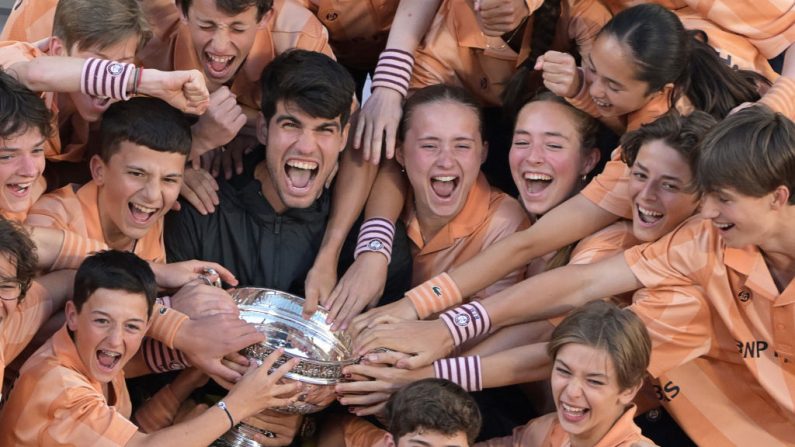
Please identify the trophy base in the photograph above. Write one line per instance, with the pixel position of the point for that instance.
(239, 437)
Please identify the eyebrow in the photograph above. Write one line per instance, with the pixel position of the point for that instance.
(138, 168)
(667, 177)
(590, 60)
(8, 148)
(433, 138)
(587, 375)
(105, 56)
(105, 314)
(323, 125)
(213, 22)
(549, 134)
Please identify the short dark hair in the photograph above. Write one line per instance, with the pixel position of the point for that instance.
(21, 109)
(435, 405)
(147, 122)
(314, 82)
(619, 332)
(21, 252)
(114, 270)
(234, 7)
(434, 93)
(681, 133)
(92, 24)
(751, 151)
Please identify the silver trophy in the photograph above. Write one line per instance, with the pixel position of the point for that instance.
(322, 353)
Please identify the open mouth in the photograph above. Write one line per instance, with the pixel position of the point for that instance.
(100, 102)
(536, 183)
(218, 66)
(572, 413)
(444, 185)
(723, 227)
(601, 103)
(648, 216)
(141, 214)
(19, 189)
(108, 360)
(301, 173)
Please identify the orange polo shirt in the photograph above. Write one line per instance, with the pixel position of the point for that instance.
(358, 29)
(68, 123)
(289, 26)
(488, 215)
(76, 210)
(54, 402)
(545, 431)
(29, 20)
(723, 337)
(604, 243)
(455, 51)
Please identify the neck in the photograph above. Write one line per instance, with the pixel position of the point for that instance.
(591, 438)
(430, 224)
(267, 188)
(111, 234)
(779, 253)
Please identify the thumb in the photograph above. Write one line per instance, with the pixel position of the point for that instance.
(415, 361)
(310, 304)
(539, 65)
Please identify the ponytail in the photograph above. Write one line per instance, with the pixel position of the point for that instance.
(710, 84)
(517, 90)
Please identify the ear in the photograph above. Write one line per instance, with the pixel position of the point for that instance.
(345, 131)
(626, 396)
(781, 197)
(389, 441)
(97, 167)
(56, 47)
(400, 157)
(71, 315)
(484, 154)
(262, 129)
(590, 161)
(665, 89)
(263, 22)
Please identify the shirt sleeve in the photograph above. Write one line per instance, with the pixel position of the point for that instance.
(586, 20)
(82, 417)
(610, 189)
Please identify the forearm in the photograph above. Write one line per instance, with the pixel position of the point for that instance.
(788, 69)
(388, 194)
(529, 363)
(354, 180)
(201, 430)
(571, 221)
(412, 19)
(59, 287)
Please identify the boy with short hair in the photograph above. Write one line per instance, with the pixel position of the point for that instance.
(136, 179)
(72, 391)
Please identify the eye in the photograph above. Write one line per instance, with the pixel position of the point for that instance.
(101, 321)
(463, 146)
(612, 87)
(562, 371)
(521, 143)
(6, 157)
(428, 146)
(554, 146)
(595, 382)
(639, 175)
(670, 187)
(38, 151)
(238, 30)
(171, 180)
(132, 327)
(135, 173)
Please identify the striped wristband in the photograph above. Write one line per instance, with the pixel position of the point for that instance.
(466, 322)
(464, 371)
(106, 78)
(394, 70)
(160, 358)
(376, 234)
(434, 295)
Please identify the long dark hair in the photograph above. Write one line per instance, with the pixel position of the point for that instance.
(664, 52)
(517, 90)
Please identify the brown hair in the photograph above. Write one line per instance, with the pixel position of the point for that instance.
(99, 24)
(434, 93)
(681, 133)
(434, 405)
(751, 151)
(604, 326)
(234, 7)
(16, 244)
(21, 109)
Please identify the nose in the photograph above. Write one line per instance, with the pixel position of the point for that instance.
(573, 389)
(305, 142)
(649, 192)
(114, 337)
(597, 89)
(221, 40)
(445, 158)
(536, 155)
(709, 207)
(28, 166)
(152, 189)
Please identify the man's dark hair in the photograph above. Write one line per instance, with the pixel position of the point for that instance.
(21, 109)
(314, 82)
(434, 405)
(147, 122)
(16, 245)
(114, 270)
(234, 7)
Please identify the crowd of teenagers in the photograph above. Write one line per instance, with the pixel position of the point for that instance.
(542, 222)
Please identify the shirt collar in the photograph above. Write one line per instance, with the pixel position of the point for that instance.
(471, 216)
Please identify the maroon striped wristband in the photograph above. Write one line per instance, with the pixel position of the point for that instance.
(463, 371)
(466, 322)
(106, 78)
(394, 70)
(160, 358)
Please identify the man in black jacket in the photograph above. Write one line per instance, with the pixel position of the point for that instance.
(270, 221)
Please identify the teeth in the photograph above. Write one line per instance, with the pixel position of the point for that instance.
(537, 176)
(20, 186)
(722, 226)
(308, 165)
(601, 103)
(144, 209)
(648, 212)
(110, 353)
(445, 178)
(569, 409)
(221, 59)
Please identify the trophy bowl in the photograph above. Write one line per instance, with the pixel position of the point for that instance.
(322, 353)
